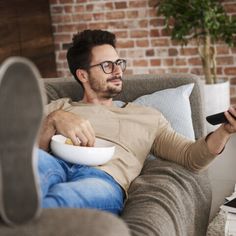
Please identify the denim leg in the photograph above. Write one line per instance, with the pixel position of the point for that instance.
(87, 187)
(50, 171)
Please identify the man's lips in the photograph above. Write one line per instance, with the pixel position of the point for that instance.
(114, 79)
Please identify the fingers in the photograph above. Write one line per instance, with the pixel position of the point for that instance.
(79, 130)
(83, 134)
(231, 117)
(86, 134)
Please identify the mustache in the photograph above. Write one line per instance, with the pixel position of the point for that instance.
(115, 78)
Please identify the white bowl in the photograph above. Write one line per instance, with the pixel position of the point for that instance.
(101, 153)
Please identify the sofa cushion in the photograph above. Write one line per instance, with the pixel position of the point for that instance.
(174, 105)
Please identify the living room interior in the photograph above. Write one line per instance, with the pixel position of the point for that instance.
(41, 30)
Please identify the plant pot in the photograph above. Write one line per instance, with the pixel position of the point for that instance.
(217, 99)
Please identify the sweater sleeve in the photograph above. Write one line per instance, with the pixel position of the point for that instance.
(61, 103)
(172, 146)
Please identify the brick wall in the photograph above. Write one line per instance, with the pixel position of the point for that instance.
(140, 36)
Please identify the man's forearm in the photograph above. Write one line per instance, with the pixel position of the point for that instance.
(217, 140)
(47, 131)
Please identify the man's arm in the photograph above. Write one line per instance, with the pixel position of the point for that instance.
(79, 130)
(193, 155)
(216, 141)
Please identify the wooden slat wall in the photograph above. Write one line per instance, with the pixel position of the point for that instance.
(25, 30)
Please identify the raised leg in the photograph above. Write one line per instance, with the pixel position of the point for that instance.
(21, 106)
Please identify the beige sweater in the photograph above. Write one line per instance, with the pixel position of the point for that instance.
(136, 130)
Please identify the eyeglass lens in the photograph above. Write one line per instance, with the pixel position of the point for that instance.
(108, 66)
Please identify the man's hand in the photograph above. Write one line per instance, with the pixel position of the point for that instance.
(72, 126)
(231, 126)
(216, 141)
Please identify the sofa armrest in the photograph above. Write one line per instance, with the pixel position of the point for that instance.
(68, 221)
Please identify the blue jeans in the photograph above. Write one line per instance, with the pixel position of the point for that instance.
(79, 186)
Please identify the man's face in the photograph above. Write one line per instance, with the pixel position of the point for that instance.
(105, 85)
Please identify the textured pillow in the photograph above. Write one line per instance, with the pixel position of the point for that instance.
(174, 105)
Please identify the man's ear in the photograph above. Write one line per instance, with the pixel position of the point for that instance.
(82, 75)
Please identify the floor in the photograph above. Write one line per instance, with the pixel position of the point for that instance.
(222, 173)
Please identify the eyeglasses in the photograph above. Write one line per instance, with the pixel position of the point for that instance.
(109, 66)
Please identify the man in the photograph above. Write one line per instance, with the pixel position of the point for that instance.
(94, 62)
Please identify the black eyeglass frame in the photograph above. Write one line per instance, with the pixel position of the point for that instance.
(118, 62)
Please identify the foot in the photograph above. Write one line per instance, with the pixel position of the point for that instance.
(21, 107)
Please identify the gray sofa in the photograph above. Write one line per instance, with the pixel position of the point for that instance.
(165, 200)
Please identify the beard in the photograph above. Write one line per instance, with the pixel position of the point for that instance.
(105, 88)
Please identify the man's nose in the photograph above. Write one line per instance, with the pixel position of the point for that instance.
(117, 70)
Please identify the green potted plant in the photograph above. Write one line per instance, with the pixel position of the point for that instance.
(205, 23)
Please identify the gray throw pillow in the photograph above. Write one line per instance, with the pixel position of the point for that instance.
(174, 104)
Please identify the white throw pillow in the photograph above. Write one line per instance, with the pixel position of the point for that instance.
(174, 104)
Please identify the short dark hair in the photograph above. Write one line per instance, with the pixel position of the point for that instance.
(80, 53)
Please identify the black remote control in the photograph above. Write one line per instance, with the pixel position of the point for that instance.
(217, 118)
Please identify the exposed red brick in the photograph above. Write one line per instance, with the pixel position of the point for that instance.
(66, 1)
(152, 3)
(61, 38)
(172, 52)
(68, 9)
(143, 23)
(81, 1)
(152, 12)
(82, 17)
(62, 55)
(188, 51)
(99, 16)
(115, 15)
(230, 8)
(229, 60)
(56, 9)
(197, 71)
(233, 50)
(219, 70)
(125, 44)
(109, 6)
(121, 34)
(142, 43)
(137, 4)
(139, 33)
(79, 8)
(157, 71)
(132, 14)
(180, 62)
(120, 5)
(165, 32)
(89, 7)
(160, 42)
(53, 2)
(98, 25)
(153, 22)
(233, 100)
(195, 61)
(168, 62)
(233, 81)
(67, 28)
(230, 70)
(149, 52)
(223, 49)
(155, 62)
(183, 70)
(154, 33)
(140, 63)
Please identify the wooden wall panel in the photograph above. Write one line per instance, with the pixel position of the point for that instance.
(9, 34)
(31, 29)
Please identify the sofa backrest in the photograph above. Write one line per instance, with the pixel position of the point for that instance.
(136, 86)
